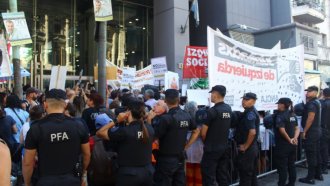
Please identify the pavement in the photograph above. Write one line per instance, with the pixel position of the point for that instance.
(271, 180)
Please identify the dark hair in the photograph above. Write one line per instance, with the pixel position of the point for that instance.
(137, 109)
(79, 103)
(171, 101)
(114, 104)
(13, 101)
(71, 109)
(183, 100)
(2, 98)
(114, 94)
(2, 112)
(36, 112)
(126, 99)
(97, 99)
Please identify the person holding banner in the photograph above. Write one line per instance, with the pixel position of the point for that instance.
(215, 134)
(247, 132)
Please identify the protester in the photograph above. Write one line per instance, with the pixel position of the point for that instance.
(79, 105)
(149, 98)
(7, 129)
(172, 132)
(14, 109)
(36, 113)
(59, 141)
(325, 124)
(286, 140)
(5, 162)
(3, 97)
(311, 122)
(94, 104)
(247, 132)
(31, 98)
(134, 168)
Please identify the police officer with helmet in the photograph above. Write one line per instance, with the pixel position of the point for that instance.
(134, 145)
(172, 132)
(59, 141)
(215, 136)
(286, 139)
(311, 122)
(247, 131)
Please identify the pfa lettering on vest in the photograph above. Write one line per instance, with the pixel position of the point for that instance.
(140, 134)
(184, 124)
(226, 115)
(292, 119)
(59, 137)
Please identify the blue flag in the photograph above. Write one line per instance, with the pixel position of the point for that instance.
(195, 9)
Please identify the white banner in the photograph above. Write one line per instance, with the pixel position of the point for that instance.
(200, 96)
(143, 77)
(16, 28)
(271, 74)
(128, 78)
(102, 10)
(171, 80)
(159, 68)
(5, 70)
(58, 77)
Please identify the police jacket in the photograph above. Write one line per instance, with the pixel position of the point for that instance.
(325, 118)
(172, 131)
(248, 120)
(288, 121)
(314, 132)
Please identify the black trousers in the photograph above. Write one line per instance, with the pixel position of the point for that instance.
(247, 166)
(285, 157)
(215, 168)
(60, 180)
(135, 176)
(169, 171)
(324, 145)
(313, 156)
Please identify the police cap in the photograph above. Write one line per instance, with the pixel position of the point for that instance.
(220, 89)
(285, 101)
(171, 93)
(312, 88)
(56, 94)
(249, 96)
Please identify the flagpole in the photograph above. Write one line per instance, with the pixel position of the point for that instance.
(183, 28)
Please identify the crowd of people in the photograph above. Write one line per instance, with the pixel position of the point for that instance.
(147, 137)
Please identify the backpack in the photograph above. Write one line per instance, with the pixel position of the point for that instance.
(103, 164)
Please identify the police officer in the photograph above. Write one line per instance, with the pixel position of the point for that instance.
(325, 124)
(286, 139)
(172, 132)
(215, 136)
(59, 141)
(247, 132)
(311, 122)
(134, 146)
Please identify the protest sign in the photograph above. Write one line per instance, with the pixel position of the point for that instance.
(271, 74)
(171, 80)
(5, 70)
(103, 10)
(16, 28)
(200, 96)
(143, 77)
(128, 78)
(58, 77)
(159, 68)
(195, 62)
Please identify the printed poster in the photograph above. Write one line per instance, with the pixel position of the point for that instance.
(195, 62)
(103, 10)
(143, 77)
(171, 80)
(5, 70)
(159, 68)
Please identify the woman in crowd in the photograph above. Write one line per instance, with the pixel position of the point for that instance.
(194, 152)
(94, 103)
(79, 104)
(7, 129)
(135, 169)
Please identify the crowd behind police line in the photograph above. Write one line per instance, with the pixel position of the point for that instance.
(156, 138)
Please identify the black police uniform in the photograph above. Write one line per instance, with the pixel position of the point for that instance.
(312, 141)
(325, 138)
(214, 165)
(285, 153)
(247, 161)
(172, 133)
(58, 140)
(134, 156)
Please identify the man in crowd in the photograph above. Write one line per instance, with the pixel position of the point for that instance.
(311, 122)
(59, 141)
(247, 132)
(171, 132)
(31, 98)
(215, 136)
(325, 124)
(149, 96)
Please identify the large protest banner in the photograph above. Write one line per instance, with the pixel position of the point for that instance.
(270, 74)
(195, 62)
(143, 77)
(103, 10)
(159, 68)
(128, 78)
(57, 77)
(16, 28)
(5, 70)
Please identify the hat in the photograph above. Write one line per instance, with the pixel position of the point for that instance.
(101, 120)
(326, 92)
(171, 93)
(250, 95)
(31, 90)
(285, 101)
(219, 88)
(312, 88)
(56, 94)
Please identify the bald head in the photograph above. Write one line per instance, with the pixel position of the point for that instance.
(160, 107)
